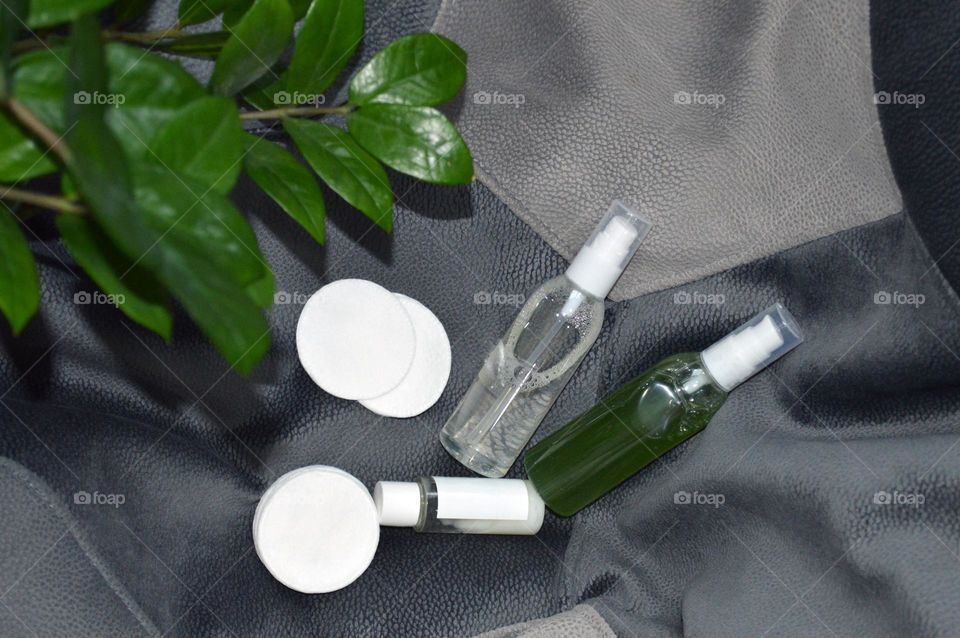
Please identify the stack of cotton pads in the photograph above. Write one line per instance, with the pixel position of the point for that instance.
(359, 341)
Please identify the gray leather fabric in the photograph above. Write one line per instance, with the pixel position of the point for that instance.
(739, 128)
(52, 581)
(580, 622)
(91, 403)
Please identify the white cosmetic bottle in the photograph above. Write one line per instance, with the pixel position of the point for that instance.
(526, 371)
(460, 505)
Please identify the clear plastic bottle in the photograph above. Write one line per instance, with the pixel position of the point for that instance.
(652, 414)
(460, 505)
(526, 371)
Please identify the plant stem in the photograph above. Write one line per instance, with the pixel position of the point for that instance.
(32, 123)
(294, 111)
(50, 202)
(148, 37)
(109, 35)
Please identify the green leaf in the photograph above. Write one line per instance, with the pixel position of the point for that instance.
(125, 11)
(330, 33)
(345, 167)
(19, 284)
(46, 13)
(20, 157)
(202, 220)
(12, 16)
(300, 8)
(151, 88)
(235, 12)
(205, 141)
(161, 223)
(197, 11)
(416, 140)
(197, 45)
(423, 69)
(288, 183)
(140, 296)
(206, 254)
(258, 41)
(69, 188)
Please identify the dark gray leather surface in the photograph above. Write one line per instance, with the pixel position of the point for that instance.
(915, 54)
(93, 404)
(740, 128)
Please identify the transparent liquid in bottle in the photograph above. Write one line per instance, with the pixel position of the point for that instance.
(522, 377)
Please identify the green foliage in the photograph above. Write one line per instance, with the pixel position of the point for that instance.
(330, 33)
(288, 183)
(256, 42)
(147, 157)
(395, 136)
(205, 141)
(19, 285)
(21, 158)
(424, 69)
(47, 13)
(346, 168)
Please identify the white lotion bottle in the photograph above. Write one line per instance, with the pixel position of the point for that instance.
(457, 505)
(526, 371)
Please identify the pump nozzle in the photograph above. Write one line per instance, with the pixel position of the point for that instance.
(610, 248)
(752, 347)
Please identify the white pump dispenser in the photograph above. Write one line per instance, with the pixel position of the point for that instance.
(752, 347)
(610, 248)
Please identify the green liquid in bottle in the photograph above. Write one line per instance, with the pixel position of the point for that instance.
(624, 433)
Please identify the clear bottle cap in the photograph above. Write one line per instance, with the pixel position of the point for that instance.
(752, 347)
(609, 249)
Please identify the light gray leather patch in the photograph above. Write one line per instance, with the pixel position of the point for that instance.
(740, 128)
(582, 621)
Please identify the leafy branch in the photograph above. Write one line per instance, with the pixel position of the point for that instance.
(146, 156)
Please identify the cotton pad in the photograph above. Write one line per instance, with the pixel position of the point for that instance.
(429, 372)
(316, 529)
(355, 339)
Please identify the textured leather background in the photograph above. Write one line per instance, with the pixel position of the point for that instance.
(580, 622)
(793, 153)
(92, 403)
(915, 54)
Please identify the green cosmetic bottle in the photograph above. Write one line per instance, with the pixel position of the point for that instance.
(652, 414)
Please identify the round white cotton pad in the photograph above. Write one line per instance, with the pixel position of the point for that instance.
(429, 372)
(355, 340)
(316, 529)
